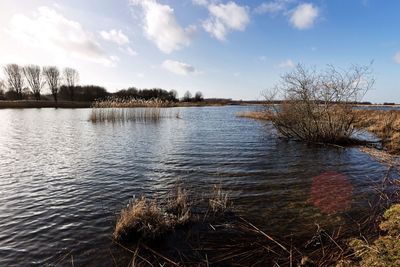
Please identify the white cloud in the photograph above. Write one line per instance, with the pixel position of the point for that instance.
(119, 38)
(201, 2)
(161, 27)
(273, 7)
(115, 36)
(128, 50)
(397, 58)
(178, 67)
(224, 18)
(53, 33)
(304, 16)
(286, 64)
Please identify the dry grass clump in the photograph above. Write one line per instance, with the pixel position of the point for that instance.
(257, 115)
(146, 218)
(179, 206)
(143, 217)
(384, 124)
(219, 201)
(385, 251)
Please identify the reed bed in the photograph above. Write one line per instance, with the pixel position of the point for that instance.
(114, 102)
(136, 110)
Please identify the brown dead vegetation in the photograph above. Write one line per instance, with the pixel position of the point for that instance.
(144, 218)
(384, 124)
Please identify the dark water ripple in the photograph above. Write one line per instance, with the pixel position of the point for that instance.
(63, 178)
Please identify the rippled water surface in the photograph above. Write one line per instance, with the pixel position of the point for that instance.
(62, 178)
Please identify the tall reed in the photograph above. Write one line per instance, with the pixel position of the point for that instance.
(124, 110)
(115, 102)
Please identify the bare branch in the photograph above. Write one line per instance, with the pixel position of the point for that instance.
(52, 77)
(14, 77)
(35, 79)
(317, 105)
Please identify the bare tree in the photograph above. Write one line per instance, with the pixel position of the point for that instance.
(52, 77)
(198, 96)
(71, 78)
(15, 79)
(187, 97)
(2, 89)
(317, 106)
(35, 79)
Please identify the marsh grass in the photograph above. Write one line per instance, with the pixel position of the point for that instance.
(135, 110)
(385, 250)
(384, 124)
(142, 217)
(114, 102)
(219, 200)
(145, 218)
(257, 115)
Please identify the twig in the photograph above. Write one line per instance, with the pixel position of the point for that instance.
(159, 255)
(115, 262)
(264, 234)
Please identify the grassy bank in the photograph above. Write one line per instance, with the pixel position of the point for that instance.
(4, 104)
(384, 124)
(43, 104)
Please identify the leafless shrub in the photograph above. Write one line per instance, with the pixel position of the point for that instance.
(317, 105)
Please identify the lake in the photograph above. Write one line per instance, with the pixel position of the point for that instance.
(63, 178)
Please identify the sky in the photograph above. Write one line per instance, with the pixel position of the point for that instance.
(231, 49)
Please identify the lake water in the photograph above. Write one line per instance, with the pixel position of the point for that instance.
(62, 178)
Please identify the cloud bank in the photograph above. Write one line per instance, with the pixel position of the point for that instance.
(161, 27)
(52, 32)
(224, 18)
(178, 67)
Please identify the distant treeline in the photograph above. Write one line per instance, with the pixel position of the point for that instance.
(28, 82)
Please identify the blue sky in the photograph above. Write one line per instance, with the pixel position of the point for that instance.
(233, 49)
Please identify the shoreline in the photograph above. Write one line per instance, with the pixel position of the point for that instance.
(26, 104)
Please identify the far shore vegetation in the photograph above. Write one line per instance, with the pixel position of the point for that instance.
(48, 86)
(33, 86)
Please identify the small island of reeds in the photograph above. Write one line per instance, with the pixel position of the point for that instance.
(132, 109)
